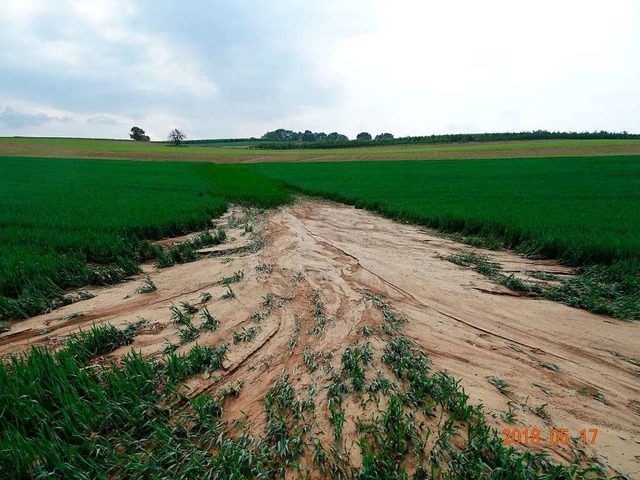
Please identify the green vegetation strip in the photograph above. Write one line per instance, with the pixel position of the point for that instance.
(69, 223)
(62, 417)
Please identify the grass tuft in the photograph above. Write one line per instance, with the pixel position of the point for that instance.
(99, 340)
(244, 335)
(188, 308)
(228, 294)
(148, 286)
(501, 385)
(178, 317)
(235, 278)
(209, 322)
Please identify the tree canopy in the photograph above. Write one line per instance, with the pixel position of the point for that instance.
(282, 135)
(308, 136)
(389, 139)
(385, 136)
(138, 135)
(176, 136)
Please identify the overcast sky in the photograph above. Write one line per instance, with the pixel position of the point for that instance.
(95, 68)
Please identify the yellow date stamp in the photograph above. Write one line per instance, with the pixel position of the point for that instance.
(557, 436)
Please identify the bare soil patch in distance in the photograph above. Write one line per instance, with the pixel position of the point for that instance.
(320, 283)
(156, 151)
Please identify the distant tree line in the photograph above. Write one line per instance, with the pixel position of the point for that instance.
(281, 139)
(282, 135)
(364, 139)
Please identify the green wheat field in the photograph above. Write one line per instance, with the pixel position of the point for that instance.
(66, 223)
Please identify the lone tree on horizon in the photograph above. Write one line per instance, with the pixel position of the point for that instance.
(138, 135)
(176, 136)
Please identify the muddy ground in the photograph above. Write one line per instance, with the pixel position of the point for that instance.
(583, 367)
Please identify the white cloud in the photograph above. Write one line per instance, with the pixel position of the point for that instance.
(26, 118)
(495, 65)
(99, 39)
(409, 67)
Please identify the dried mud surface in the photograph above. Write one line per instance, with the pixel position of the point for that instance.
(584, 367)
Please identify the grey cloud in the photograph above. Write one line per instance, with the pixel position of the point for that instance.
(218, 68)
(104, 120)
(261, 56)
(12, 119)
(262, 71)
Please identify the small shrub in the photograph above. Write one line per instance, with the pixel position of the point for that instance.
(133, 327)
(169, 347)
(206, 407)
(267, 300)
(232, 390)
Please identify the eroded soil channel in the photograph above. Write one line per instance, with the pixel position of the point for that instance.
(321, 281)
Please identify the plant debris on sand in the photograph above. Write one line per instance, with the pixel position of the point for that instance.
(344, 358)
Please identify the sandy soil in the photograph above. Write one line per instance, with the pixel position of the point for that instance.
(584, 367)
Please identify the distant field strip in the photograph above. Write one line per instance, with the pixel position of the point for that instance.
(123, 149)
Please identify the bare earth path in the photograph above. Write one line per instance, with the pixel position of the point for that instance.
(475, 335)
(582, 366)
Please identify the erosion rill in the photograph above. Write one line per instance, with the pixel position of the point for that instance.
(302, 346)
